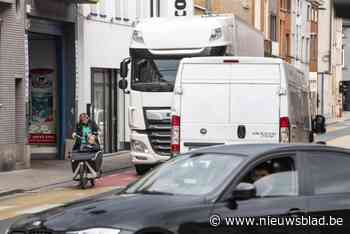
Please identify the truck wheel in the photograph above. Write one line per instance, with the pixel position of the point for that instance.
(142, 169)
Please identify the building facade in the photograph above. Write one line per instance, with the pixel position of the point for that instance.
(37, 80)
(13, 149)
(104, 33)
(330, 65)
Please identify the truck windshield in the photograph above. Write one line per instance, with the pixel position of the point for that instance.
(154, 75)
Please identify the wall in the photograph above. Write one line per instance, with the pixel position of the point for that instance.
(12, 114)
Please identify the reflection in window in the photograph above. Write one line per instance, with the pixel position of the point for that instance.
(330, 172)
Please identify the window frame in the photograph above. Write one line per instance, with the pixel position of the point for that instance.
(310, 177)
(251, 164)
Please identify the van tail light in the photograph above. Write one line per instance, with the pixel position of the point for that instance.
(175, 134)
(284, 130)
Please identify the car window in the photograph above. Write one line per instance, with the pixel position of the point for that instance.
(274, 178)
(330, 172)
(190, 175)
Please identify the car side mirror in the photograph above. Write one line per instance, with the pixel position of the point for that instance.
(319, 124)
(244, 191)
(123, 84)
(124, 70)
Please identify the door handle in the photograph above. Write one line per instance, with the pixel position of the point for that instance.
(296, 212)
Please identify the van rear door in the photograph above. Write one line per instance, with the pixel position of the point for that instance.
(255, 103)
(205, 105)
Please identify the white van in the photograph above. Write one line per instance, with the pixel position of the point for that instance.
(225, 100)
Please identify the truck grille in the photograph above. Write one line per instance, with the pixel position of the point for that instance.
(159, 134)
(158, 125)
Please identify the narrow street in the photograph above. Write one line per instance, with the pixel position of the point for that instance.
(338, 134)
(58, 195)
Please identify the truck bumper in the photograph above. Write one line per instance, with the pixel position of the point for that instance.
(148, 156)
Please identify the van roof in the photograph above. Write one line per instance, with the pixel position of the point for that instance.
(222, 59)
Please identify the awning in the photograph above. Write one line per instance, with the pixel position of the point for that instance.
(7, 1)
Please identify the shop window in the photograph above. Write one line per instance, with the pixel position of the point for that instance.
(104, 106)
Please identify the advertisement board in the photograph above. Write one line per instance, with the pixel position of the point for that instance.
(42, 121)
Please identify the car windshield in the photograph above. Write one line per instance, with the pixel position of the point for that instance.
(188, 175)
(154, 75)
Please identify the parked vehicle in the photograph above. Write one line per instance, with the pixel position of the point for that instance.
(157, 46)
(250, 180)
(226, 100)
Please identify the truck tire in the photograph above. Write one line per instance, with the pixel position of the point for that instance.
(142, 169)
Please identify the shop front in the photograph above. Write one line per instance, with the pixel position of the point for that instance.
(51, 77)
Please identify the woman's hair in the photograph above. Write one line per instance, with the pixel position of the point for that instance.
(83, 115)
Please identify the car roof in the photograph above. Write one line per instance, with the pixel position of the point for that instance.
(253, 150)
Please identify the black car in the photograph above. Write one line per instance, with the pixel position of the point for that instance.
(210, 190)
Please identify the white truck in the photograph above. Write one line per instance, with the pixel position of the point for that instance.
(232, 100)
(157, 46)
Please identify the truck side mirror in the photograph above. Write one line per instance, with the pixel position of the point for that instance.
(123, 84)
(319, 124)
(124, 70)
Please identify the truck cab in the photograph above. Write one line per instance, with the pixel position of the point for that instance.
(157, 46)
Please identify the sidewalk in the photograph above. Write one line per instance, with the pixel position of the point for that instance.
(345, 117)
(49, 172)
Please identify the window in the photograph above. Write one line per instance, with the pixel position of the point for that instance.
(93, 9)
(155, 8)
(126, 10)
(330, 172)
(104, 106)
(103, 9)
(118, 11)
(274, 178)
(273, 28)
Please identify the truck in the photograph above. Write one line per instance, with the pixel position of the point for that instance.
(235, 100)
(157, 46)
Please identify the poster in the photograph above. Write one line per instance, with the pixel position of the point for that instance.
(42, 127)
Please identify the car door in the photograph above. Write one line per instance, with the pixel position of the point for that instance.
(282, 198)
(329, 190)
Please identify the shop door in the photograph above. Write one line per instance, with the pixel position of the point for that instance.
(104, 106)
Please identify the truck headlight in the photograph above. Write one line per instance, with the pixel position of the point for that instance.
(138, 146)
(97, 231)
(216, 34)
(137, 36)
